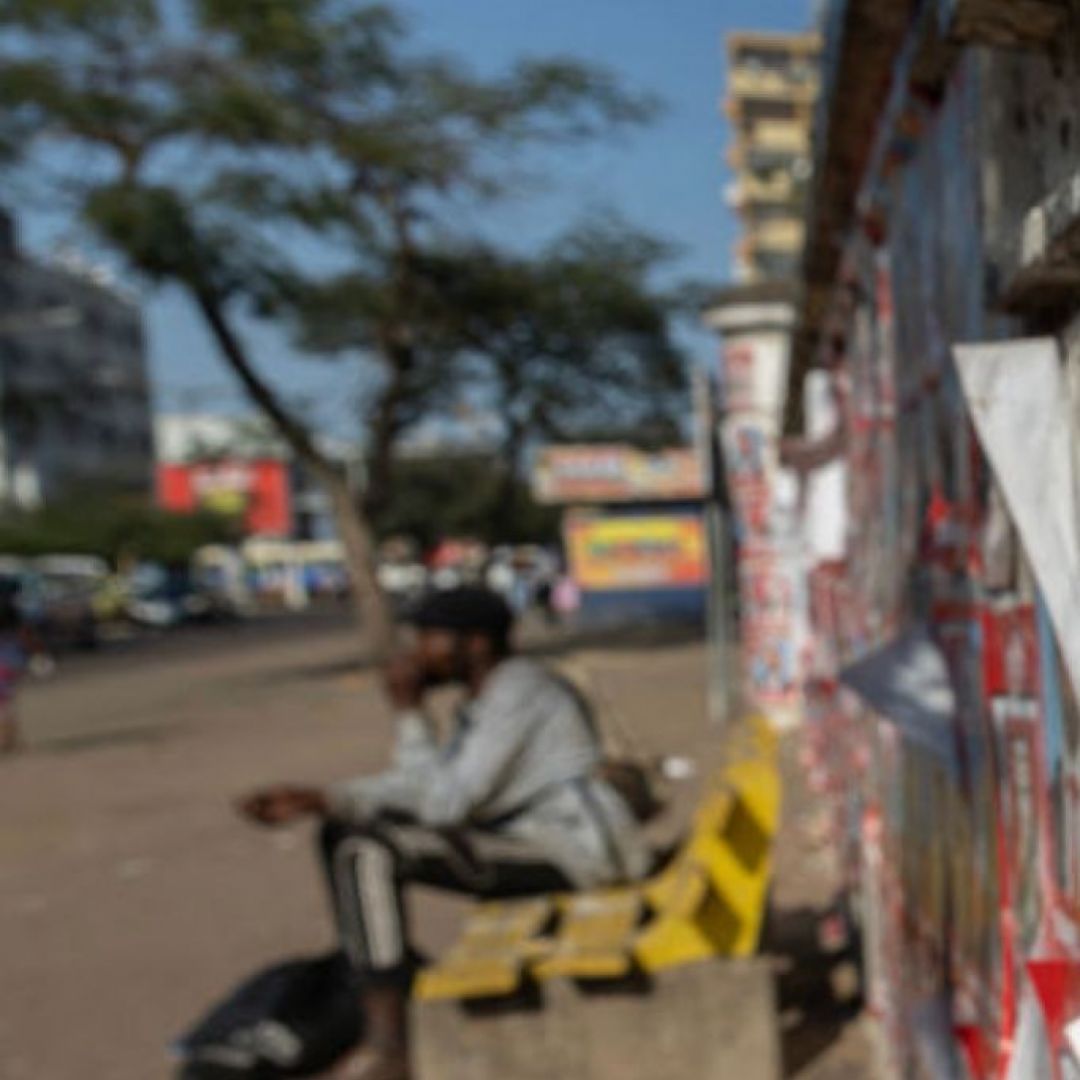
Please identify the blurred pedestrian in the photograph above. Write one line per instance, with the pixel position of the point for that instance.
(566, 598)
(17, 642)
(501, 577)
(514, 803)
(545, 601)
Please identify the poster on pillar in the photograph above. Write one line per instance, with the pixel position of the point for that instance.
(770, 592)
(753, 377)
(737, 372)
(748, 449)
(763, 499)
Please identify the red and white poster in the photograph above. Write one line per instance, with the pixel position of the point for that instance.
(749, 475)
(771, 602)
(257, 492)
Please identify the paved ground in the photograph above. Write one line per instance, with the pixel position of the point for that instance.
(130, 895)
(823, 1033)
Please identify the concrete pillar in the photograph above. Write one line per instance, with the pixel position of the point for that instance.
(755, 326)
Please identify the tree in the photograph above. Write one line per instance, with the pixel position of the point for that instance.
(462, 495)
(295, 160)
(574, 344)
(115, 527)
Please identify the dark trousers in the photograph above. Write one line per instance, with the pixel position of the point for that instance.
(368, 869)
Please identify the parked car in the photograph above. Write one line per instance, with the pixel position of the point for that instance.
(59, 606)
(161, 599)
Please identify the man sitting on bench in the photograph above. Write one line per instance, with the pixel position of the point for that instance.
(510, 805)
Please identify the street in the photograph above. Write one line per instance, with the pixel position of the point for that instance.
(145, 688)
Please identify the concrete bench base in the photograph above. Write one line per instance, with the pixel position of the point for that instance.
(709, 1021)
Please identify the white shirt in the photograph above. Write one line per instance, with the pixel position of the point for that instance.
(521, 762)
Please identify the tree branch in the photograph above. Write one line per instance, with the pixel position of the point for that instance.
(291, 429)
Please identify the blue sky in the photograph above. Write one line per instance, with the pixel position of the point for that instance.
(668, 178)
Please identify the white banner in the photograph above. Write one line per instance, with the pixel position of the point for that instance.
(1020, 404)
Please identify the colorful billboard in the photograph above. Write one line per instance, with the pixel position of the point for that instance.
(609, 554)
(259, 492)
(566, 475)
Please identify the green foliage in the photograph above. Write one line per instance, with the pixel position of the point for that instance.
(151, 225)
(86, 16)
(113, 527)
(575, 341)
(302, 160)
(459, 495)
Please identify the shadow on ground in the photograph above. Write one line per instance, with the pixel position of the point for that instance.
(819, 988)
(543, 642)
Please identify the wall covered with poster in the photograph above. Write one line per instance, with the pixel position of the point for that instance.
(960, 525)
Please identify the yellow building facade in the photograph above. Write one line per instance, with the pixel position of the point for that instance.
(773, 86)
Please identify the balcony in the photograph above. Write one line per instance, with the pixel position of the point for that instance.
(755, 82)
(784, 235)
(779, 190)
(781, 135)
(769, 145)
(743, 42)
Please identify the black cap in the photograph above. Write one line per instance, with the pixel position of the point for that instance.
(467, 610)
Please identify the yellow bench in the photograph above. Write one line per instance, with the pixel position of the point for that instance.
(708, 902)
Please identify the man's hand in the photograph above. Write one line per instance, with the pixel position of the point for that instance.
(403, 681)
(283, 805)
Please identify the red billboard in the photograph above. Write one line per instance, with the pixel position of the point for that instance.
(258, 492)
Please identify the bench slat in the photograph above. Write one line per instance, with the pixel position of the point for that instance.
(595, 936)
(491, 957)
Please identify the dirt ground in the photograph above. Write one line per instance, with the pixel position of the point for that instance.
(131, 897)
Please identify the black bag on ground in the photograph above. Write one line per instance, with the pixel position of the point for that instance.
(293, 1019)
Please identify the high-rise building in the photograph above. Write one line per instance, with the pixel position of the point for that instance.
(74, 390)
(773, 86)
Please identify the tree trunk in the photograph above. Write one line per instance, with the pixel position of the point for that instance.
(373, 608)
(380, 466)
(386, 425)
(396, 345)
(510, 501)
(376, 616)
